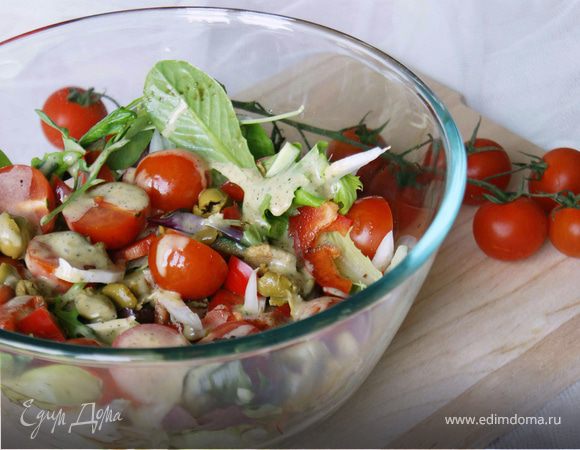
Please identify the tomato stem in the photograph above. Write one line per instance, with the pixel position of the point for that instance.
(470, 145)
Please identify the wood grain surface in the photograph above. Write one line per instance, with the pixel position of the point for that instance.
(483, 337)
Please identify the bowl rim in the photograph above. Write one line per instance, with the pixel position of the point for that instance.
(287, 334)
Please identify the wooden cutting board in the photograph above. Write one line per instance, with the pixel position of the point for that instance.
(483, 336)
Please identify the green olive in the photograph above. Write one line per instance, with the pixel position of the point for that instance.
(95, 307)
(207, 235)
(120, 294)
(25, 287)
(9, 275)
(210, 201)
(278, 287)
(14, 235)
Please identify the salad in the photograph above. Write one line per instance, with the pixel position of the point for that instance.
(177, 220)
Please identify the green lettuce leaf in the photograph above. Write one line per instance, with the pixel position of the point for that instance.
(4, 160)
(345, 191)
(192, 110)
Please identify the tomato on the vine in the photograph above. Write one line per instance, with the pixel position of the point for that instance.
(564, 230)
(338, 150)
(561, 173)
(485, 159)
(72, 108)
(172, 178)
(510, 231)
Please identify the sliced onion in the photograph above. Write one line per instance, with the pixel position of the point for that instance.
(334, 292)
(177, 308)
(384, 253)
(399, 255)
(192, 223)
(66, 272)
(352, 163)
(253, 304)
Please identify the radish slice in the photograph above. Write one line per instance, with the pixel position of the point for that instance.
(384, 253)
(159, 386)
(66, 272)
(150, 335)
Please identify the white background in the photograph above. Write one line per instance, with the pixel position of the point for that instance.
(517, 61)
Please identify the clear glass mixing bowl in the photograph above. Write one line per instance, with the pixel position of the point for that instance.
(256, 390)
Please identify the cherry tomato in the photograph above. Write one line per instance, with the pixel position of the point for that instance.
(61, 189)
(24, 191)
(136, 250)
(491, 160)
(562, 174)
(172, 178)
(305, 226)
(238, 276)
(338, 150)
(372, 220)
(235, 192)
(564, 230)
(510, 231)
(104, 174)
(111, 213)
(76, 118)
(84, 341)
(186, 266)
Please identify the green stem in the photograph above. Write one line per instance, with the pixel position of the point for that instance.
(509, 172)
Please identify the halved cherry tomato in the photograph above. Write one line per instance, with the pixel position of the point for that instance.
(564, 230)
(338, 150)
(510, 231)
(76, 118)
(184, 265)
(136, 250)
(372, 220)
(111, 213)
(561, 174)
(238, 275)
(232, 212)
(24, 191)
(491, 160)
(305, 226)
(231, 330)
(6, 293)
(41, 324)
(324, 269)
(172, 178)
(235, 192)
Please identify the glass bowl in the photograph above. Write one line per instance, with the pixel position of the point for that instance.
(260, 389)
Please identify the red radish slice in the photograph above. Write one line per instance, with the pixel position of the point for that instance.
(151, 385)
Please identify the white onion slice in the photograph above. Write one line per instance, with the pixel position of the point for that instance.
(352, 163)
(384, 253)
(177, 308)
(253, 304)
(399, 255)
(66, 272)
